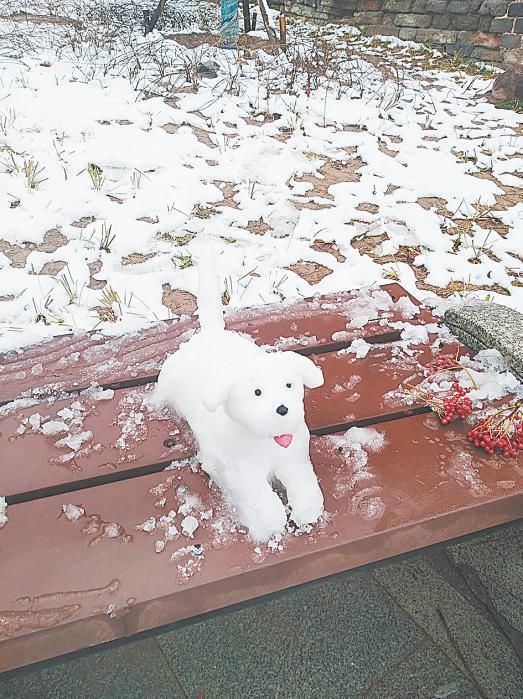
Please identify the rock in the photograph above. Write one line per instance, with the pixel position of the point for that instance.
(484, 325)
(509, 85)
(208, 69)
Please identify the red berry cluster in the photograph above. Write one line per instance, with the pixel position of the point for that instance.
(455, 402)
(442, 363)
(501, 432)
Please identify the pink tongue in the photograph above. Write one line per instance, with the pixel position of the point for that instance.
(283, 440)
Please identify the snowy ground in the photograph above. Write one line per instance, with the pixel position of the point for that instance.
(349, 161)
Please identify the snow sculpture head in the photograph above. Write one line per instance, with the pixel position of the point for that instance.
(264, 395)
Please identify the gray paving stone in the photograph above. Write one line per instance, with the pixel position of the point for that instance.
(331, 640)
(134, 671)
(497, 558)
(451, 619)
(425, 673)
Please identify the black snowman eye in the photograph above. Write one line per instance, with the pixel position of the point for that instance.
(289, 385)
(257, 392)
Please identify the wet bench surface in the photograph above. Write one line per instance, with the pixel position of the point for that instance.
(98, 483)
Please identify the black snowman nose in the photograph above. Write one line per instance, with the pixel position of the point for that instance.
(282, 410)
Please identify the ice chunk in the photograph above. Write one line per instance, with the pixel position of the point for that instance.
(75, 441)
(359, 347)
(189, 525)
(3, 512)
(147, 526)
(406, 308)
(35, 420)
(73, 512)
(54, 427)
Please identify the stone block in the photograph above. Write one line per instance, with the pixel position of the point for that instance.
(487, 55)
(464, 37)
(384, 29)
(484, 22)
(465, 21)
(397, 5)
(515, 9)
(494, 8)
(420, 21)
(368, 18)
(419, 6)
(440, 37)
(518, 26)
(462, 7)
(463, 49)
(441, 21)
(388, 18)
(509, 85)
(408, 33)
(486, 40)
(437, 6)
(510, 41)
(371, 5)
(513, 57)
(501, 25)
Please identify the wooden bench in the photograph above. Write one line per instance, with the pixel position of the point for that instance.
(89, 553)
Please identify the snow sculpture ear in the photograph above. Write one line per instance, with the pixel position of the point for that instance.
(215, 392)
(310, 374)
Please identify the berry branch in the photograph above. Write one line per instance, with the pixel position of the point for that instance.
(446, 363)
(446, 404)
(501, 431)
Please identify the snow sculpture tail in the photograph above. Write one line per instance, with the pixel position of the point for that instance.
(210, 310)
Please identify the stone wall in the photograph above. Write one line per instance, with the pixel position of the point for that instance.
(487, 30)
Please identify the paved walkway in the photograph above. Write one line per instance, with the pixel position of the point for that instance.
(446, 625)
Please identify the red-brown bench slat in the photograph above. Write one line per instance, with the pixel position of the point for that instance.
(73, 362)
(125, 436)
(66, 587)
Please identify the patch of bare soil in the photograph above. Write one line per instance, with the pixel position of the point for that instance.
(313, 205)
(83, 222)
(312, 272)
(391, 188)
(437, 203)
(228, 190)
(18, 254)
(368, 207)
(94, 268)
(511, 195)
(149, 219)
(201, 134)
(52, 269)
(258, 227)
(137, 258)
(334, 172)
(41, 19)
(367, 245)
(382, 146)
(179, 302)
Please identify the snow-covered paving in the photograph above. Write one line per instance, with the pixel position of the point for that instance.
(346, 162)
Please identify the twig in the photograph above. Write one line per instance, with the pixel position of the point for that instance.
(264, 11)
